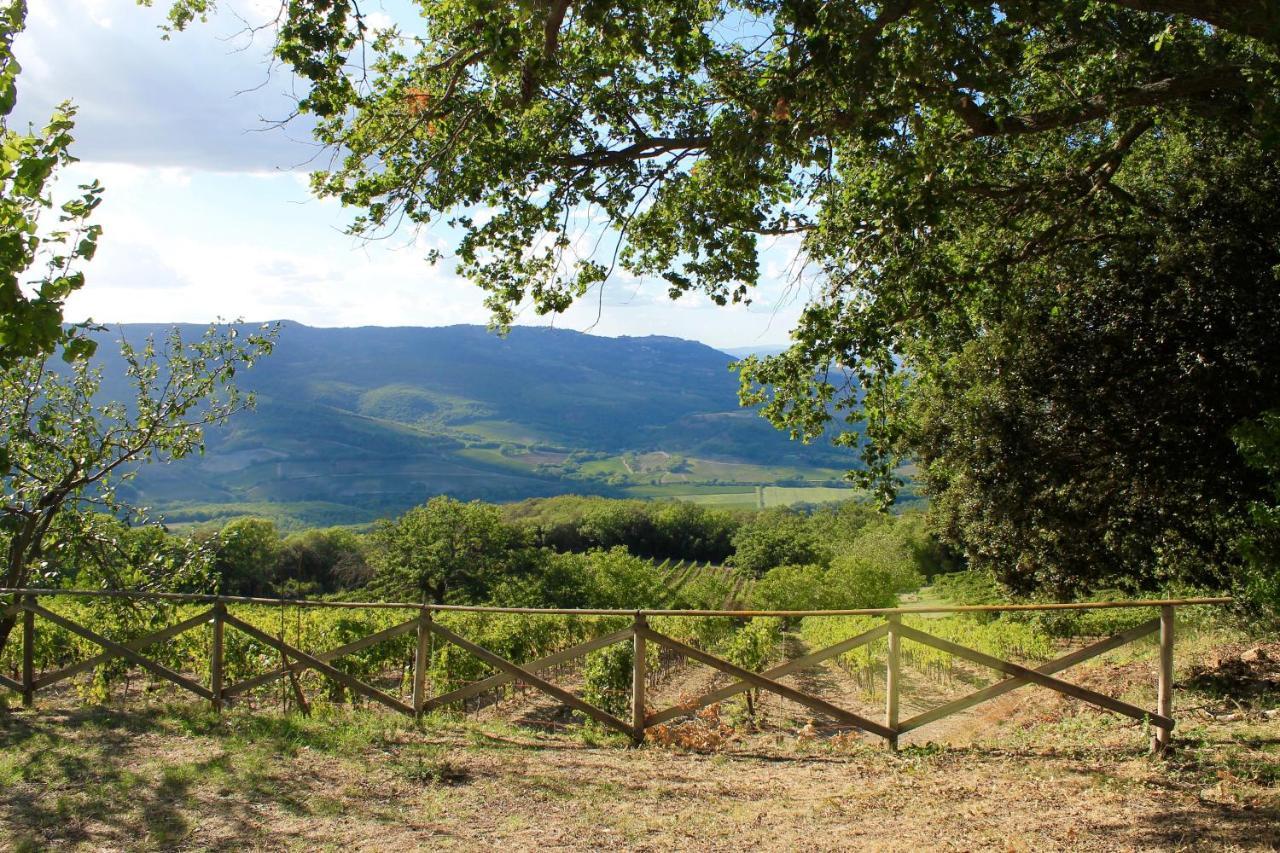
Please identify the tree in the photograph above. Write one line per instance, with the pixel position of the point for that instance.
(777, 537)
(953, 172)
(247, 550)
(790, 587)
(443, 551)
(548, 579)
(68, 450)
(844, 521)
(1086, 438)
(850, 582)
(622, 580)
(856, 580)
(686, 530)
(627, 523)
(327, 560)
(38, 264)
(1259, 582)
(901, 545)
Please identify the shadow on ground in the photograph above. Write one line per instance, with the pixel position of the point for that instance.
(100, 776)
(183, 778)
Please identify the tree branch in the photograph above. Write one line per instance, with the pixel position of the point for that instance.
(645, 149)
(1258, 19)
(982, 124)
(551, 43)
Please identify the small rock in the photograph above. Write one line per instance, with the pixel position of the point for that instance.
(1254, 655)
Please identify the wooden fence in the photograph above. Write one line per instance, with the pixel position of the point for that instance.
(295, 660)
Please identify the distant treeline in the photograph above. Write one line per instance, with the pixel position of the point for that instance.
(562, 551)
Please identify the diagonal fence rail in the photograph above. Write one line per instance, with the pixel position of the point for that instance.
(294, 660)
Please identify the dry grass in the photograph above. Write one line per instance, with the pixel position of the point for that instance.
(1035, 774)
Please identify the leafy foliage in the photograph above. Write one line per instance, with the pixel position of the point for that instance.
(247, 552)
(39, 265)
(850, 583)
(1259, 583)
(776, 537)
(65, 446)
(1085, 438)
(445, 550)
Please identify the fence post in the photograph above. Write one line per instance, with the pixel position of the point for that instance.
(891, 680)
(1164, 687)
(28, 651)
(421, 660)
(215, 655)
(638, 677)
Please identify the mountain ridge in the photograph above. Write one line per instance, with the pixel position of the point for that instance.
(376, 419)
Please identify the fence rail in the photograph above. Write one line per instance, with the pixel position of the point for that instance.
(295, 660)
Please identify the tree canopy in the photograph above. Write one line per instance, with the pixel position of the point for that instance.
(68, 450)
(955, 175)
(921, 151)
(443, 551)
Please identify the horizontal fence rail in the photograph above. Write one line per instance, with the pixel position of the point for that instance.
(294, 660)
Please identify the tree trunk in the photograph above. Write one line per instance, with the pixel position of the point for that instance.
(6, 627)
(25, 548)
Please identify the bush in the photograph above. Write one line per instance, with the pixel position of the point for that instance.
(795, 587)
(777, 537)
(854, 581)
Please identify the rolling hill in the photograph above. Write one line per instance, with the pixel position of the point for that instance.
(357, 423)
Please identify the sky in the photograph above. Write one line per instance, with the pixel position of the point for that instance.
(207, 215)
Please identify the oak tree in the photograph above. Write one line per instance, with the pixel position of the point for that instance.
(953, 173)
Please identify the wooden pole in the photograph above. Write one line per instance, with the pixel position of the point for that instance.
(891, 681)
(638, 677)
(29, 653)
(421, 661)
(215, 655)
(1164, 687)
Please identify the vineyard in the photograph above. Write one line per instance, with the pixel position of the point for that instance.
(474, 665)
(690, 586)
(768, 713)
(602, 676)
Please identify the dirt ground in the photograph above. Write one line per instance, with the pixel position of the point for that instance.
(1032, 773)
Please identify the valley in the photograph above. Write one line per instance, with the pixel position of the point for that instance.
(351, 425)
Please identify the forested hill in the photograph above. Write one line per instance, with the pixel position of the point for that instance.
(354, 423)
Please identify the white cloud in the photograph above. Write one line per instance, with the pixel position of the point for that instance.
(147, 101)
(203, 217)
(378, 21)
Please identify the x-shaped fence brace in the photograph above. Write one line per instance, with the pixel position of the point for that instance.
(295, 660)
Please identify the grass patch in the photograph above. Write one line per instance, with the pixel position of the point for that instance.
(179, 776)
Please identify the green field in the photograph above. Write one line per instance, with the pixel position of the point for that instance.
(768, 496)
(788, 495)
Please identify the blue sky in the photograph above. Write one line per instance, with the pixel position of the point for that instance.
(207, 213)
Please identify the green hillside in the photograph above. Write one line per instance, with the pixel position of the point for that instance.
(355, 424)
